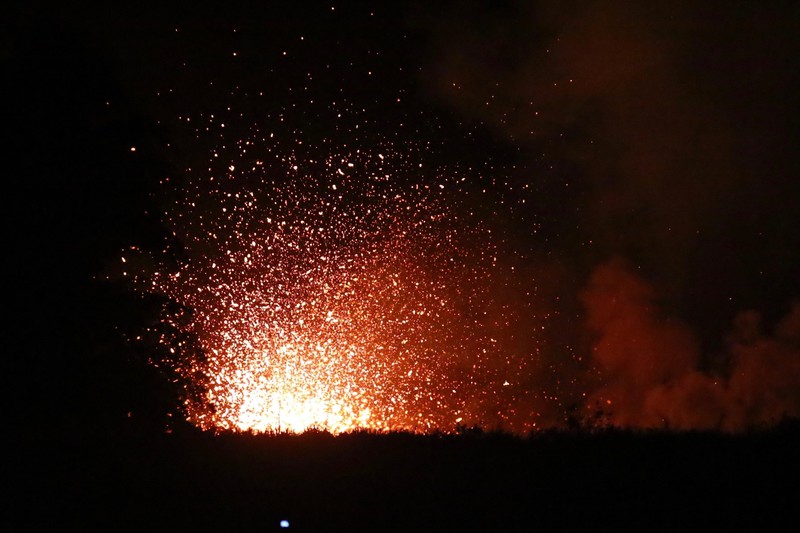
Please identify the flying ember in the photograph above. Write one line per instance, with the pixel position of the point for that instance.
(338, 292)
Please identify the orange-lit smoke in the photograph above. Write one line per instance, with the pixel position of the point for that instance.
(678, 138)
(651, 362)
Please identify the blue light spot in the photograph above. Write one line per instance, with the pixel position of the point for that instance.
(284, 523)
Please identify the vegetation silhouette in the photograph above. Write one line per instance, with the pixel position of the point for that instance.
(477, 480)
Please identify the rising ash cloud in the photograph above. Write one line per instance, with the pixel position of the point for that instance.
(664, 136)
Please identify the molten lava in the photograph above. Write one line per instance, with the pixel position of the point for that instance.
(337, 296)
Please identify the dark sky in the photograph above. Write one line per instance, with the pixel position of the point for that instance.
(660, 141)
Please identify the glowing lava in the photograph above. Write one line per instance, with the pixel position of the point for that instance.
(336, 294)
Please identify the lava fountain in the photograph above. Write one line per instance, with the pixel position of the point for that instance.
(339, 293)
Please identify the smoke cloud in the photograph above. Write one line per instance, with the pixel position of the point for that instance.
(673, 121)
(674, 124)
(651, 362)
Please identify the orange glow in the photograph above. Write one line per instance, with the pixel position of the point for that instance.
(336, 298)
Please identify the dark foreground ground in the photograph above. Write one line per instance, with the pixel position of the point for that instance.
(134, 480)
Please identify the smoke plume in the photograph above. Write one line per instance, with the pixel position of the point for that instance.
(674, 124)
(652, 365)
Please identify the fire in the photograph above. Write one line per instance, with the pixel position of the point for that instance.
(336, 293)
(290, 395)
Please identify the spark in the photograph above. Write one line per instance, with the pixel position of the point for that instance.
(311, 297)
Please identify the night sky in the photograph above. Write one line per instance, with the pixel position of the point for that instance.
(635, 166)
